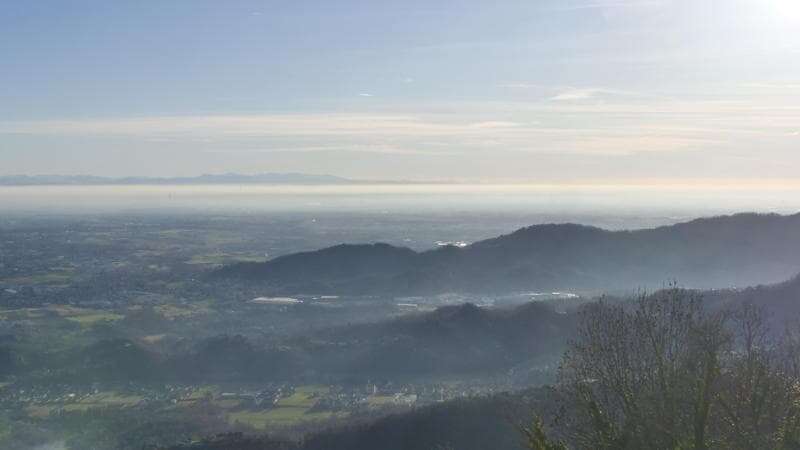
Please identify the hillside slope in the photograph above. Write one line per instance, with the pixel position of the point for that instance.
(738, 250)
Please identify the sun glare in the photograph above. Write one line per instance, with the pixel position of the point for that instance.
(787, 9)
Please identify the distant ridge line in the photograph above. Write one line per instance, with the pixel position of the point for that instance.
(715, 252)
(227, 178)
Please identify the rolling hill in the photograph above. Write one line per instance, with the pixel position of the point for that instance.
(725, 251)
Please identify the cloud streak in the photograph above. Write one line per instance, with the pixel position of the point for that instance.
(621, 124)
(576, 94)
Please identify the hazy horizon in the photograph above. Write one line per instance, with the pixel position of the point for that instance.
(620, 206)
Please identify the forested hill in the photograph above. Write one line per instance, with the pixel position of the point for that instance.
(453, 341)
(737, 250)
(781, 300)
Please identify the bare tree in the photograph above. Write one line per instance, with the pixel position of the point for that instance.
(536, 437)
(643, 375)
(663, 372)
(755, 394)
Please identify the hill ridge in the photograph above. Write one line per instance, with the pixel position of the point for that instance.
(714, 252)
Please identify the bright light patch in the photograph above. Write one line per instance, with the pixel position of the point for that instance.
(787, 9)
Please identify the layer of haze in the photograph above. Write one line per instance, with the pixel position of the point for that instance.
(610, 206)
(536, 91)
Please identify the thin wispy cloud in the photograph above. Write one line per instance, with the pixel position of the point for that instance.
(522, 86)
(496, 124)
(575, 94)
(622, 126)
(773, 86)
(355, 148)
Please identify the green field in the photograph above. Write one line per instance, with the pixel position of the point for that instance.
(82, 316)
(59, 276)
(6, 427)
(279, 417)
(380, 400)
(173, 312)
(22, 313)
(103, 400)
(202, 392)
(39, 411)
(88, 320)
(303, 397)
(108, 399)
(289, 411)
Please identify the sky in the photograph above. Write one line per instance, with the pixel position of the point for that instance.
(535, 91)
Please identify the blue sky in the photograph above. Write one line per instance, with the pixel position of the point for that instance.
(550, 91)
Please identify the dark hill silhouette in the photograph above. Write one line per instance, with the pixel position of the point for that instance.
(333, 263)
(461, 339)
(458, 340)
(781, 300)
(737, 250)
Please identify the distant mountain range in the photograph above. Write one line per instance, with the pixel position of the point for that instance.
(727, 251)
(229, 178)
